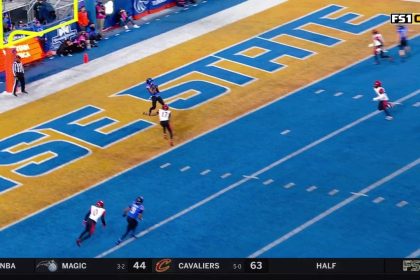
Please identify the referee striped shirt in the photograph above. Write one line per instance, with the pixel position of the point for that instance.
(17, 68)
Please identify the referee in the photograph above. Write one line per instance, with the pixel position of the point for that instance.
(19, 74)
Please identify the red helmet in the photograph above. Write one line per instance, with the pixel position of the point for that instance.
(377, 84)
(165, 107)
(100, 203)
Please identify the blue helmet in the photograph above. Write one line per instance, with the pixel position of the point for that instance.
(149, 81)
(139, 200)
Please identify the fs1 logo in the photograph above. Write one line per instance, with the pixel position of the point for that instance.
(405, 18)
(411, 265)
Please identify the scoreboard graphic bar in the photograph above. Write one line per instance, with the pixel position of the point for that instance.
(209, 266)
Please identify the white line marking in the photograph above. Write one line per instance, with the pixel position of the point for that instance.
(333, 192)
(417, 104)
(225, 175)
(417, 1)
(285, 132)
(311, 188)
(401, 203)
(268, 182)
(357, 96)
(288, 186)
(379, 199)
(361, 194)
(414, 254)
(339, 93)
(333, 209)
(319, 91)
(185, 168)
(250, 177)
(165, 165)
(205, 172)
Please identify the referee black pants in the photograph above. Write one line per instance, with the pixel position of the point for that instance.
(20, 77)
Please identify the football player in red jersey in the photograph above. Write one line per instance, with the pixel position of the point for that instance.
(96, 211)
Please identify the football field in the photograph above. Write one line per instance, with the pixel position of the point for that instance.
(279, 149)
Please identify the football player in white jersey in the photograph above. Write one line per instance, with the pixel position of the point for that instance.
(96, 211)
(382, 97)
(164, 117)
(378, 47)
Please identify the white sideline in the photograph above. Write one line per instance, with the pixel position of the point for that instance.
(255, 174)
(130, 54)
(333, 209)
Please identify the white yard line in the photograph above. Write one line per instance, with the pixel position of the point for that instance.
(333, 209)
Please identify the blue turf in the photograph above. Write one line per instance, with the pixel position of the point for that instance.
(47, 67)
(252, 215)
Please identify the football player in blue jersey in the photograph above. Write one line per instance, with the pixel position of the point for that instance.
(134, 214)
(153, 89)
